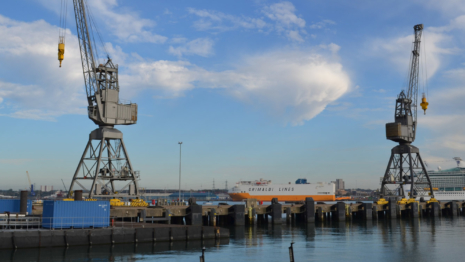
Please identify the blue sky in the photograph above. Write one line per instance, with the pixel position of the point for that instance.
(254, 89)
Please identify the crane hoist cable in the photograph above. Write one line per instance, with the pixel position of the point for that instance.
(62, 30)
(424, 104)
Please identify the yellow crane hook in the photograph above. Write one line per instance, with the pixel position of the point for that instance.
(424, 104)
(61, 50)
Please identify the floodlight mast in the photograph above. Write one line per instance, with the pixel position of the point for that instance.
(110, 161)
(406, 168)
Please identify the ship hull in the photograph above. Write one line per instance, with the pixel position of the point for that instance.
(242, 196)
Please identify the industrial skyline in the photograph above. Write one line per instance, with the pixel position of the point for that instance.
(278, 90)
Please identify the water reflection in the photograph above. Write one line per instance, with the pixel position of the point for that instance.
(377, 240)
(131, 252)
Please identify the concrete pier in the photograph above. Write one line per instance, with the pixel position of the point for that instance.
(237, 214)
(131, 233)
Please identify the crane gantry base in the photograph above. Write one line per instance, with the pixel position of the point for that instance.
(406, 172)
(104, 165)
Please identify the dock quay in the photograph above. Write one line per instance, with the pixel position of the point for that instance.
(118, 233)
(307, 211)
(171, 223)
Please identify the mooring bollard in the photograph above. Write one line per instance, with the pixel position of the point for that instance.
(392, 208)
(77, 195)
(202, 257)
(340, 213)
(434, 209)
(237, 213)
(291, 253)
(413, 209)
(288, 215)
(309, 210)
(194, 214)
(452, 208)
(367, 211)
(23, 202)
(276, 212)
(212, 217)
(320, 215)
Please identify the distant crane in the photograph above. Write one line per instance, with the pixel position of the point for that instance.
(64, 184)
(31, 186)
(105, 160)
(406, 168)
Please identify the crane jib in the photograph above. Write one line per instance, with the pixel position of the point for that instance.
(101, 80)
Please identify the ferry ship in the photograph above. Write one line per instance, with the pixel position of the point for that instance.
(264, 190)
(448, 184)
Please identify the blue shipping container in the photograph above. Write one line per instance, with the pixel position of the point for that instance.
(77, 214)
(12, 206)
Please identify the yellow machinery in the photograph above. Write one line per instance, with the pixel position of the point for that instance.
(424, 104)
(116, 203)
(61, 49)
(382, 201)
(138, 203)
(68, 199)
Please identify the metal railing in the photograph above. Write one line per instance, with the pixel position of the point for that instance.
(23, 222)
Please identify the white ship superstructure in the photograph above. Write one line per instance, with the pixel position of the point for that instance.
(264, 190)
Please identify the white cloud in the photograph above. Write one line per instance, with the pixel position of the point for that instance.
(126, 25)
(284, 14)
(286, 20)
(397, 50)
(293, 85)
(44, 90)
(322, 24)
(283, 17)
(200, 46)
(214, 20)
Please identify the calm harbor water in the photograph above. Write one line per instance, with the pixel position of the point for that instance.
(385, 240)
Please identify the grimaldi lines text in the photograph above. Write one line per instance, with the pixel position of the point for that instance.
(264, 190)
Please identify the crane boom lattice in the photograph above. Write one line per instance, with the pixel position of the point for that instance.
(105, 161)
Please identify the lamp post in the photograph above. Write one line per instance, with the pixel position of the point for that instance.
(180, 144)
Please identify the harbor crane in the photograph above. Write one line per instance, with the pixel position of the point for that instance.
(406, 170)
(31, 186)
(105, 161)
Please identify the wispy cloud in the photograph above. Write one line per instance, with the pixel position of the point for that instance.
(126, 25)
(214, 20)
(322, 24)
(286, 20)
(292, 85)
(200, 46)
(46, 91)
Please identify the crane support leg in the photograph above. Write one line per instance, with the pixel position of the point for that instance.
(105, 161)
(406, 175)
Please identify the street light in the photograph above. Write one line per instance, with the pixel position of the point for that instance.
(180, 144)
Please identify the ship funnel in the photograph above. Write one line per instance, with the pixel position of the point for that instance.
(458, 160)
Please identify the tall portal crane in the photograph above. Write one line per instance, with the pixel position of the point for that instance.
(105, 160)
(406, 170)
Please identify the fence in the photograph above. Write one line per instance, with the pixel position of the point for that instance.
(22, 222)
